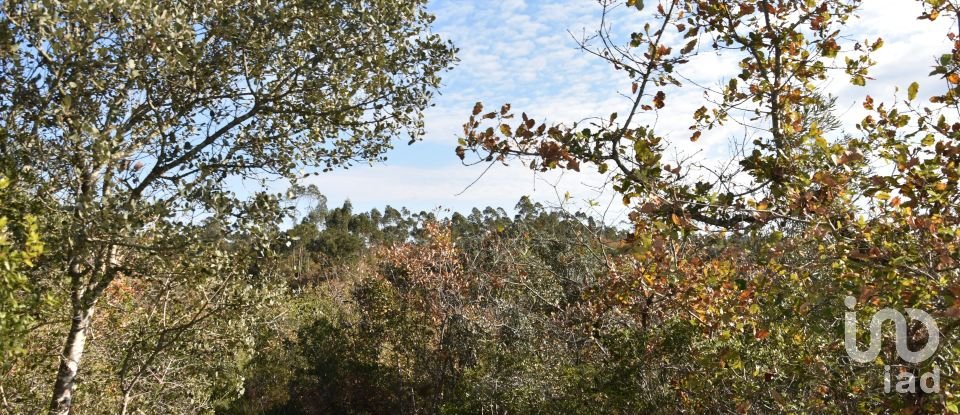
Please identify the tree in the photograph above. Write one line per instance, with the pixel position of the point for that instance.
(784, 46)
(800, 210)
(129, 120)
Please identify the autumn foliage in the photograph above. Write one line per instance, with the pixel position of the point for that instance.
(729, 287)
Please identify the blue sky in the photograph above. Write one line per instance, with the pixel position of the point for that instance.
(520, 51)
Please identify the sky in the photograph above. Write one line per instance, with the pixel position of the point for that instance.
(523, 52)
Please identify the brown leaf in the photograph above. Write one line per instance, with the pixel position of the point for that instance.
(762, 334)
(658, 100)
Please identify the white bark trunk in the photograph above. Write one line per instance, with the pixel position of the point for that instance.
(62, 401)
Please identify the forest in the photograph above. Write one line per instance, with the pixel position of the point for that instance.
(163, 250)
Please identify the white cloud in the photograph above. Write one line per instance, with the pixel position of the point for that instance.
(910, 47)
(520, 52)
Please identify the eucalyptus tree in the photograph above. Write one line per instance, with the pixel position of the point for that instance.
(128, 120)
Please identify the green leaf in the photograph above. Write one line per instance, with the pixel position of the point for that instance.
(912, 91)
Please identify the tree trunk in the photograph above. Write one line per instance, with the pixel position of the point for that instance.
(126, 403)
(70, 361)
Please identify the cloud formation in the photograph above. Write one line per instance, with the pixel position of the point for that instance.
(522, 52)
